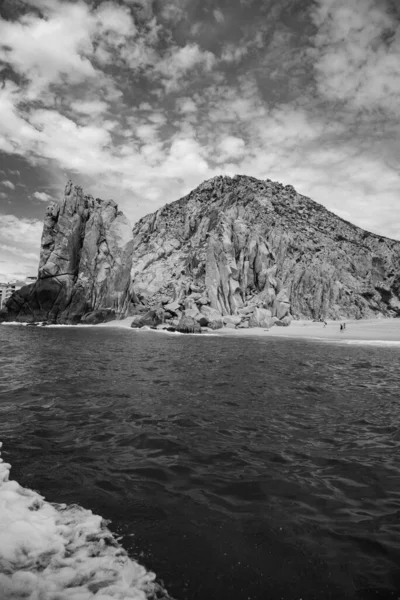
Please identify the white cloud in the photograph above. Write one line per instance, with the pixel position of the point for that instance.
(42, 196)
(124, 137)
(8, 184)
(234, 52)
(186, 105)
(180, 61)
(174, 10)
(218, 15)
(48, 50)
(357, 54)
(89, 107)
(14, 229)
(62, 46)
(231, 147)
(16, 252)
(18, 239)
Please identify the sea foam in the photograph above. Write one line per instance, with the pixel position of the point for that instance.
(392, 343)
(54, 551)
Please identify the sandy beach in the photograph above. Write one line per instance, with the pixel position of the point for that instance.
(374, 330)
(377, 330)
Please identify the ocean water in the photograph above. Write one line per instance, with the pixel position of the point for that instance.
(245, 469)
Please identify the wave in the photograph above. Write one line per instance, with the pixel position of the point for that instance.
(145, 328)
(50, 551)
(367, 342)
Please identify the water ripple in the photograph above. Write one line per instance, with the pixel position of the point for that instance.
(255, 454)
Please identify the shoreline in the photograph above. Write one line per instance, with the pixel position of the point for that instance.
(363, 330)
(357, 331)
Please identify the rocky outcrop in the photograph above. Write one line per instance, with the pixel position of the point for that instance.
(151, 318)
(188, 324)
(85, 264)
(241, 246)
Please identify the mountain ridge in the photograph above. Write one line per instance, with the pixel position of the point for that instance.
(279, 215)
(232, 246)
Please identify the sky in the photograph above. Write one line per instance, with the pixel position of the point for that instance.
(142, 100)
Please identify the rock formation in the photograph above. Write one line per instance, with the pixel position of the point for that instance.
(260, 250)
(85, 264)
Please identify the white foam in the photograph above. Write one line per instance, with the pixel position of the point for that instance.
(50, 551)
(372, 342)
(145, 328)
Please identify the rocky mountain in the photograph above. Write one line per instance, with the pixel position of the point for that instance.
(257, 248)
(235, 252)
(85, 264)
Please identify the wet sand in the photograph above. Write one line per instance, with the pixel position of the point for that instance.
(376, 330)
(372, 330)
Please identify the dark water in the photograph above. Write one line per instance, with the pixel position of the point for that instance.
(234, 468)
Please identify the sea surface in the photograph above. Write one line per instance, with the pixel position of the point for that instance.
(240, 469)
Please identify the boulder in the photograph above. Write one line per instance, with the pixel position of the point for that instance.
(150, 319)
(98, 316)
(246, 310)
(261, 317)
(285, 321)
(189, 303)
(195, 288)
(214, 318)
(173, 307)
(230, 326)
(194, 314)
(137, 309)
(136, 322)
(234, 319)
(188, 325)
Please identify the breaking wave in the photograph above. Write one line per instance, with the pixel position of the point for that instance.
(50, 551)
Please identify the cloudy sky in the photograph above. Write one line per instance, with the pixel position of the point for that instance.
(142, 100)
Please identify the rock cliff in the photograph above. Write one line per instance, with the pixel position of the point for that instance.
(240, 244)
(85, 264)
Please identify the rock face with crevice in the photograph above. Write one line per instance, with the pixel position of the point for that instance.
(85, 264)
(237, 244)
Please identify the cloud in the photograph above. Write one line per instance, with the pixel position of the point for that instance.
(18, 238)
(62, 46)
(16, 251)
(357, 54)
(218, 15)
(8, 184)
(174, 10)
(231, 147)
(179, 61)
(15, 229)
(133, 107)
(51, 50)
(234, 52)
(42, 196)
(186, 105)
(89, 107)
